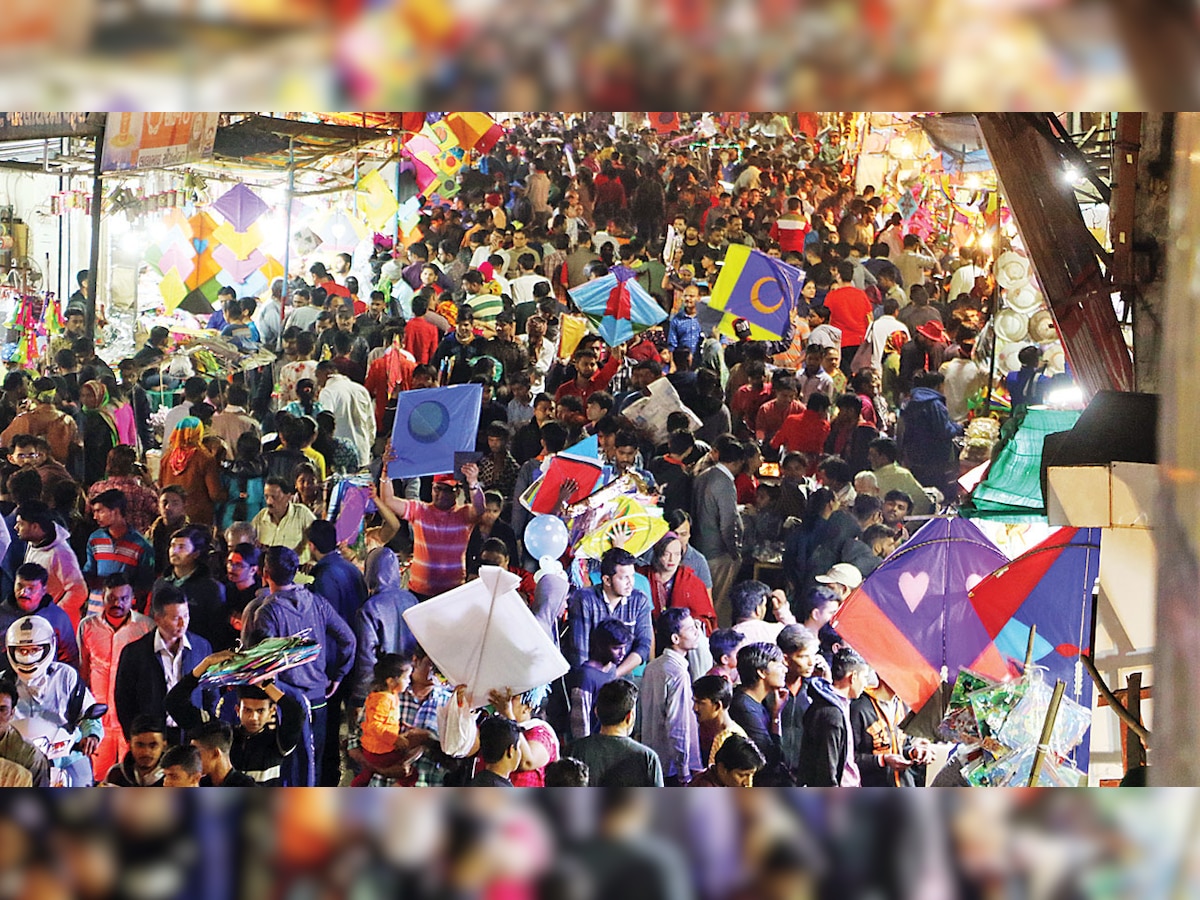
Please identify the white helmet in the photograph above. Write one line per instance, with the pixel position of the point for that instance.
(31, 646)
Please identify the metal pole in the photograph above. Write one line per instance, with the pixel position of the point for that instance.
(287, 237)
(94, 258)
(987, 406)
(399, 199)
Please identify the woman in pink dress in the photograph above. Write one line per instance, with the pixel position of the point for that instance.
(539, 744)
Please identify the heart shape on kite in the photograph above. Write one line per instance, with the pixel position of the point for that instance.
(973, 580)
(913, 587)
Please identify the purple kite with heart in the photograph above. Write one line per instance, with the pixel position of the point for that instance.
(912, 617)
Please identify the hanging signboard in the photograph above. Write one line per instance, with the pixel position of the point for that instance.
(151, 139)
(28, 126)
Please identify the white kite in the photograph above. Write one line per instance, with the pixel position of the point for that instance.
(483, 635)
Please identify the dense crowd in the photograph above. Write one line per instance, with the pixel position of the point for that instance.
(708, 660)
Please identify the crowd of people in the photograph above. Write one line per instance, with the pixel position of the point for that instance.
(709, 660)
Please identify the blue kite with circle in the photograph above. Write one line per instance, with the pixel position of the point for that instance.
(431, 426)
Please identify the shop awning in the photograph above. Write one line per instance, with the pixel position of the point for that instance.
(958, 138)
(264, 141)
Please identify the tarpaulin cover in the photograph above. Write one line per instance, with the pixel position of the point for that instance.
(1013, 487)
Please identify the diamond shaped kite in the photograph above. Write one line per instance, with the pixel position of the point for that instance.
(340, 233)
(617, 305)
(172, 289)
(911, 618)
(206, 269)
(240, 206)
(254, 284)
(178, 258)
(242, 243)
(239, 269)
(375, 200)
(272, 268)
(483, 635)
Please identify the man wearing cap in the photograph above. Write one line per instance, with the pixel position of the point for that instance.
(493, 210)
(441, 529)
(843, 578)
(925, 354)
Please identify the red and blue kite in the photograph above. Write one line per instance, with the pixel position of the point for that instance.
(912, 618)
(1049, 586)
(617, 305)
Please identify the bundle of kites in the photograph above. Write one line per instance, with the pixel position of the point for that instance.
(33, 331)
(597, 506)
(263, 661)
(999, 725)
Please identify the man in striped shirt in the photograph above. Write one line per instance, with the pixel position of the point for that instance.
(115, 547)
(441, 529)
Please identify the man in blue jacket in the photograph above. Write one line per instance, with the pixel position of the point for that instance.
(290, 609)
(334, 577)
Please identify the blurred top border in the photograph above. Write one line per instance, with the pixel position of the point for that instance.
(575, 55)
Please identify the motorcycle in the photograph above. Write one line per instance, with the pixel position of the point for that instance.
(58, 741)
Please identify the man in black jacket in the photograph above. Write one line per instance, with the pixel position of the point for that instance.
(826, 749)
(141, 680)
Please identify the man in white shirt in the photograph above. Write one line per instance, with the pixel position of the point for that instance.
(522, 286)
(352, 408)
(883, 328)
(963, 280)
(913, 264)
(749, 601)
(541, 349)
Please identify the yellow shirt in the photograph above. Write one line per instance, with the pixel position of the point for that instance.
(317, 460)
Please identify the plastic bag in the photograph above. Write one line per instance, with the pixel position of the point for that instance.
(457, 729)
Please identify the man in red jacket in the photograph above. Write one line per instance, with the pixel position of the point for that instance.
(421, 337)
(587, 379)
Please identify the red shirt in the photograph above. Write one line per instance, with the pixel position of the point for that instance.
(771, 416)
(747, 402)
(805, 433)
(597, 382)
(850, 311)
(421, 339)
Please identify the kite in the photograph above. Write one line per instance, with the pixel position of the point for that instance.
(431, 426)
(1049, 586)
(617, 305)
(240, 206)
(483, 635)
(912, 619)
(758, 288)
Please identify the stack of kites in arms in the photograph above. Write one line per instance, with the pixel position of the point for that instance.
(263, 661)
(947, 621)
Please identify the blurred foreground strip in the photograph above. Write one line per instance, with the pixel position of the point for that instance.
(716, 845)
